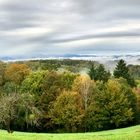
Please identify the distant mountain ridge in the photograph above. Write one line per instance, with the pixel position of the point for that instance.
(102, 58)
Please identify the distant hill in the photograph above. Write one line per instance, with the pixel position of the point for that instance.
(109, 60)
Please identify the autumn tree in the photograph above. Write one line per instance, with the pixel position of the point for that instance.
(16, 73)
(2, 73)
(83, 85)
(67, 112)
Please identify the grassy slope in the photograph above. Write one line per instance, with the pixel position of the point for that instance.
(131, 133)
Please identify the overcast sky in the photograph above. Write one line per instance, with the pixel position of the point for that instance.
(35, 27)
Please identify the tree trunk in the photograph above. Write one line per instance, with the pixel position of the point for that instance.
(8, 126)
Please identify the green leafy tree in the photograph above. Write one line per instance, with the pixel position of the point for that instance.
(122, 70)
(68, 80)
(137, 93)
(33, 83)
(110, 107)
(52, 87)
(10, 87)
(29, 115)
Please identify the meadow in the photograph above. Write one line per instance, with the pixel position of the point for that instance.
(130, 133)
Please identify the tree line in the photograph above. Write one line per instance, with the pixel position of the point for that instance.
(46, 100)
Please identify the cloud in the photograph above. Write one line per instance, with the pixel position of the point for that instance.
(72, 26)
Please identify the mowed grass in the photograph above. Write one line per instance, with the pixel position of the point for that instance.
(131, 133)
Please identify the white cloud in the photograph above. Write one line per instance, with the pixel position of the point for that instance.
(27, 32)
(72, 26)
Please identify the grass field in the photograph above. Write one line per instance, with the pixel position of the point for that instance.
(131, 133)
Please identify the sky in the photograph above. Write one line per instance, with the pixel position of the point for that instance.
(54, 27)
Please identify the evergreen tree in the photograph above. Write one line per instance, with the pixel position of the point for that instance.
(99, 73)
(122, 70)
(92, 72)
(102, 74)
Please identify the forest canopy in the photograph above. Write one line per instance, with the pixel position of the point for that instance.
(68, 96)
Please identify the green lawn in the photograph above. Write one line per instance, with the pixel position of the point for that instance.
(131, 133)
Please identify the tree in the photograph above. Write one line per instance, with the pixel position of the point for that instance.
(16, 108)
(102, 74)
(10, 87)
(92, 73)
(110, 106)
(122, 70)
(83, 85)
(16, 73)
(99, 73)
(123, 102)
(52, 86)
(33, 83)
(134, 71)
(8, 107)
(2, 73)
(137, 93)
(28, 114)
(67, 112)
(68, 80)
